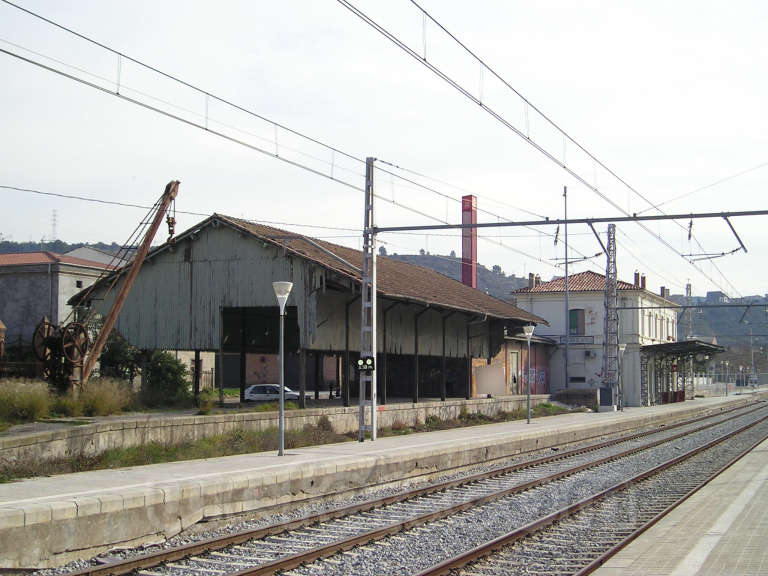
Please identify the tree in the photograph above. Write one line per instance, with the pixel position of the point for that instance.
(119, 358)
(165, 381)
(497, 270)
(382, 251)
(453, 253)
(422, 251)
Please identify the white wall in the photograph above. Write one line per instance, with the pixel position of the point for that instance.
(585, 360)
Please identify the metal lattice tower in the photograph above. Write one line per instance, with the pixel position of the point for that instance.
(368, 312)
(611, 326)
(688, 332)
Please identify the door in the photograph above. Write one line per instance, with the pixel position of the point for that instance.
(514, 372)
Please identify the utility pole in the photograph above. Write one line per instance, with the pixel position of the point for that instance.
(567, 311)
(367, 362)
(611, 319)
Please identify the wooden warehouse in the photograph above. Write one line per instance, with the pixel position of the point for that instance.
(210, 289)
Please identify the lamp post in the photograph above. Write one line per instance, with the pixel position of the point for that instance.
(528, 331)
(727, 375)
(282, 290)
(622, 348)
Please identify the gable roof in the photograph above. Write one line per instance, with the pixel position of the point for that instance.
(394, 278)
(27, 258)
(582, 282)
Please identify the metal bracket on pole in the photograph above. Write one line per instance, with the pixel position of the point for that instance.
(735, 234)
(368, 311)
(598, 239)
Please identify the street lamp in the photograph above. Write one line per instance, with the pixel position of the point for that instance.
(622, 348)
(282, 290)
(528, 331)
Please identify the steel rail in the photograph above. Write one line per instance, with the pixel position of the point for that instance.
(126, 566)
(461, 560)
(598, 562)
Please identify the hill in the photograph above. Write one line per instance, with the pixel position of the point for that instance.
(493, 282)
(57, 246)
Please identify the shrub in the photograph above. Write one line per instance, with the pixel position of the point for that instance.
(104, 396)
(67, 405)
(165, 383)
(119, 358)
(206, 400)
(24, 400)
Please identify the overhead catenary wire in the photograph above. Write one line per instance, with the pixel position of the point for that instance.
(206, 125)
(422, 59)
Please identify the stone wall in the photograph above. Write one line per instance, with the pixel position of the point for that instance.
(93, 439)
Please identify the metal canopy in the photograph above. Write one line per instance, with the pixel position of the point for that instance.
(682, 348)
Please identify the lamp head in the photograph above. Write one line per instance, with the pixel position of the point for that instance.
(528, 331)
(282, 290)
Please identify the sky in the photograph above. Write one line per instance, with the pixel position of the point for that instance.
(666, 96)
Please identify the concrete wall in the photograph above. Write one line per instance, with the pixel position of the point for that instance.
(29, 292)
(96, 438)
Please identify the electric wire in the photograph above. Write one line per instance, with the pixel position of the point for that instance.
(208, 95)
(145, 207)
(241, 142)
(444, 76)
(577, 144)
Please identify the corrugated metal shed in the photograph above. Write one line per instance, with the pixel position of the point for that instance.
(223, 262)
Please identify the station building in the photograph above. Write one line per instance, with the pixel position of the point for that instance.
(645, 319)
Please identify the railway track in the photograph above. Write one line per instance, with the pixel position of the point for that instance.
(578, 539)
(405, 533)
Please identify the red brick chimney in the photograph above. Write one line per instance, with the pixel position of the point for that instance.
(469, 241)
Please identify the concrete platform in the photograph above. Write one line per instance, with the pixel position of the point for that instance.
(720, 530)
(49, 521)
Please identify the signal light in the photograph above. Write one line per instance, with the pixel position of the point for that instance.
(365, 365)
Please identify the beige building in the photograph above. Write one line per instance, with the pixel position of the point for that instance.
(645, 318)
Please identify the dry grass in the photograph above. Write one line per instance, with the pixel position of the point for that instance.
(23, 400)
(238, 441)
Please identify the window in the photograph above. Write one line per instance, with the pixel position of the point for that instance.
(78, 283)
(576, 322)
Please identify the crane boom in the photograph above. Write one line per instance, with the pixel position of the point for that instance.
(171, 189)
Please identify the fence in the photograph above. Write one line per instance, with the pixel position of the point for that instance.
(18, 369)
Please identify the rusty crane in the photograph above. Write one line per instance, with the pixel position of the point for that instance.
(65, 351)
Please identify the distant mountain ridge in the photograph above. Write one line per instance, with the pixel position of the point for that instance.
(57, 246)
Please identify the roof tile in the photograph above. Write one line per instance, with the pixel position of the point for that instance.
(25, 258)
(395, 278)
(582, 282)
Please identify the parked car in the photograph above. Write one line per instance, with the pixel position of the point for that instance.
(266, 392)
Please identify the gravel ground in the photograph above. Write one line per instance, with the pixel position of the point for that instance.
(489, 522)
(416, 550)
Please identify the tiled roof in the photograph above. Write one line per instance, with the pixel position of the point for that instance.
(582, 282)
(395, 278)
(23, 258)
